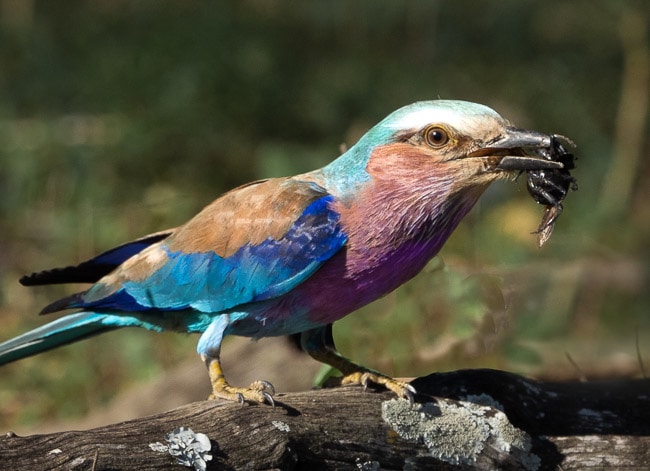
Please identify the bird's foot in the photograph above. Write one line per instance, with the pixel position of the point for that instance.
(319, 343)
(258, 392)
(363, 377)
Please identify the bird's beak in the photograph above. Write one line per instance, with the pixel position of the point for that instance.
(516, 150)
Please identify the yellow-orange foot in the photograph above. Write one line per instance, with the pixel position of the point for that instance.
(319, 343)
(260, 391)
(363, 377)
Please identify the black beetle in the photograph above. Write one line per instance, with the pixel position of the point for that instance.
(550, 186)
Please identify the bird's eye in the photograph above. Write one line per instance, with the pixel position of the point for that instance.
(436, 137)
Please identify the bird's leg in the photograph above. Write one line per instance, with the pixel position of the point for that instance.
(209, 348)
(319, 343)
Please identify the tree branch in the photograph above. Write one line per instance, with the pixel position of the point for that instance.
(470, 419)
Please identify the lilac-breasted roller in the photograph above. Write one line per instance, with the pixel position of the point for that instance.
(294, 254)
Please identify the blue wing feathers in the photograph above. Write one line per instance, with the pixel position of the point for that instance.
(210, 283)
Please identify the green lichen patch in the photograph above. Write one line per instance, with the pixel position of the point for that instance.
(457, 432)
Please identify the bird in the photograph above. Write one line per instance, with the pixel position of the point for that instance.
(292, 255)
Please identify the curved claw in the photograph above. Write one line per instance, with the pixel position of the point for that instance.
(364, 381)
(266, 386)
(409, 393)
(240, 399)
(269, 399)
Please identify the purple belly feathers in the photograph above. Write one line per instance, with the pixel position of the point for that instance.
(348, 282)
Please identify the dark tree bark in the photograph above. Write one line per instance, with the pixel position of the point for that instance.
(471, 419)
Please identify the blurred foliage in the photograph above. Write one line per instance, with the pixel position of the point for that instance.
(122, 118)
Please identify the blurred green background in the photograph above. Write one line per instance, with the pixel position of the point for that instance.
(122, 118)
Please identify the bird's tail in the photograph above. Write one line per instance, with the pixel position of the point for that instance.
(62, 331)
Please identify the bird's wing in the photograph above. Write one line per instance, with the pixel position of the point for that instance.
(254, 243)
(94, 269)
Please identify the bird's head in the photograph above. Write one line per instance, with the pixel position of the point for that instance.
(458, 144)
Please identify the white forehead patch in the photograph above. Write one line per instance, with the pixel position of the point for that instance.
(457, 114)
